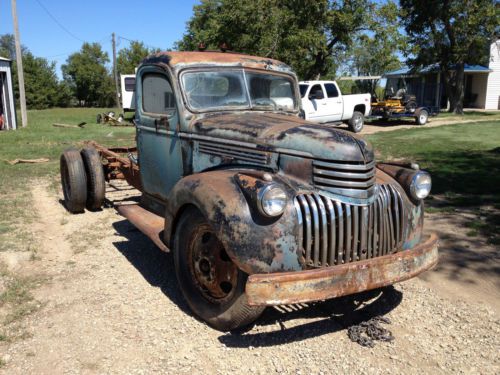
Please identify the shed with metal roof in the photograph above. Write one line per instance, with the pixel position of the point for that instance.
(481, 83)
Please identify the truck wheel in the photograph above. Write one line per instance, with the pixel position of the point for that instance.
(96, 184)
(356, 122)
(421, 116)
(74, 181)
(211, 283)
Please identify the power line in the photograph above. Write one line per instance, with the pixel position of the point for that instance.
(58, 23)
(130, 40)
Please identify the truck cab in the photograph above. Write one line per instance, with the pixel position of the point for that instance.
(259, 206)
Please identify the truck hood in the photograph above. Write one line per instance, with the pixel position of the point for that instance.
(286, 134)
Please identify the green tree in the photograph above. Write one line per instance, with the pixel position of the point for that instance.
(130, 58)
(86, 73)
(43, 88)
(8, 46)
(306, 34)
(376, 51)
(41, 83)
(450, 33)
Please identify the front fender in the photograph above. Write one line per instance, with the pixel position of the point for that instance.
(255, 244)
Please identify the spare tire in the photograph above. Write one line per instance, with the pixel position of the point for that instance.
(96, 184)
(73, 180)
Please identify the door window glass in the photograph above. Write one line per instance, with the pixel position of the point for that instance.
(331, 90)
(157, 95)
(317, 92)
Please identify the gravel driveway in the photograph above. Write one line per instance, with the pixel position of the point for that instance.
(112, 306)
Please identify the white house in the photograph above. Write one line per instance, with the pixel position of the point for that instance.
(7, 107)
(481, 84)
(493, 85)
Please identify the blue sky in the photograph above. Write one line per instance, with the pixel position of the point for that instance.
(155, 22)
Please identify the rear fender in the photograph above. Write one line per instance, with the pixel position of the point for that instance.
(226, 198)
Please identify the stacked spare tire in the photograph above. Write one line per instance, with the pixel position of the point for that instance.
(83, 181)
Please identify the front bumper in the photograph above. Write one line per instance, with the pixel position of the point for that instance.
(330, 282)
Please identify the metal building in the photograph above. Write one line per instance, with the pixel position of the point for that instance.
(7, 107)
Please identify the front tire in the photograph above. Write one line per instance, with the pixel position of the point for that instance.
(211, 283)
(356, 122)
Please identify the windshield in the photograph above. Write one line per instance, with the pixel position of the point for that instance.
(303, 90)
(238, 89)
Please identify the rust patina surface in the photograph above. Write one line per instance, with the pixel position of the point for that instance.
(325, 283)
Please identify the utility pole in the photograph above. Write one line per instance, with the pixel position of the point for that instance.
(19, 60)
(115, 73)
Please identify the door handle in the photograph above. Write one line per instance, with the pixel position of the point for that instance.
(162, 121)
(324, 103)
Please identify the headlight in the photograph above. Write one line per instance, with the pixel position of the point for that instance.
(420, 186)
(272, 200)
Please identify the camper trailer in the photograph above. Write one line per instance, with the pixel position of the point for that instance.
(128, 92)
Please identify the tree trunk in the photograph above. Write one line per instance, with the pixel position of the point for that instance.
(454, 85)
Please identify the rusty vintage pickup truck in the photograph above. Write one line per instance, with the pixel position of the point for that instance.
(259, 206)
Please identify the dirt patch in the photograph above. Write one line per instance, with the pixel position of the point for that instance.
(113, 306)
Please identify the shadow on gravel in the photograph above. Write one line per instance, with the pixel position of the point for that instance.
(338, 314)
(330, 316)
(156, 266)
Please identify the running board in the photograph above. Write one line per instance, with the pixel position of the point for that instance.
(150, 224)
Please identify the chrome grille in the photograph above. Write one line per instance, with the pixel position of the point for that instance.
(334, 233)
(234, 152)
(347, 179)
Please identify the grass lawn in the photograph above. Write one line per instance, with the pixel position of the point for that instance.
(471, 115)
(41, 140)
(464, 161)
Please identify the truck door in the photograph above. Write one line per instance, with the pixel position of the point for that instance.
(335, 103)
(157, 117)
(317, 108)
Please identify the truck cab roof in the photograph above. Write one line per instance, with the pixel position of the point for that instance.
(179, 60)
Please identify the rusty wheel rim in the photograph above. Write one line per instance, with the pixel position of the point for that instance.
(213, 272)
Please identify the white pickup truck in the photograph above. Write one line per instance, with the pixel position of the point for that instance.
(322, 102)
